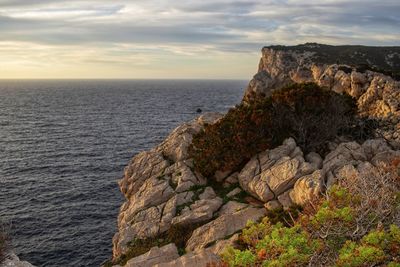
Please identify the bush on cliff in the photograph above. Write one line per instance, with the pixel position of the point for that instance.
(311, 115)
(177, 234)
(355, 224)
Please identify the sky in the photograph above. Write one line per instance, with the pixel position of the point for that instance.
(158, 39)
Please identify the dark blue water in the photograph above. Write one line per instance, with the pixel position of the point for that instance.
(63, 146)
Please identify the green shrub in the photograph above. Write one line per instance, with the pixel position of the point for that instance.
(311, 115)
(272, 245)
(336, 233)
(287, 246)
(177, 234)
(376, 248)
(235, 257)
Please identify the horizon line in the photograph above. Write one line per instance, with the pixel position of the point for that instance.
(129, 79)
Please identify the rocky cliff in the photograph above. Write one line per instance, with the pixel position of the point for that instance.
(164, 193)
(343, 69)
(13, 261)
(348, 69)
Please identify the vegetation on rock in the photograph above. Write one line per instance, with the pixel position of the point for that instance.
(386, 61)
(177, 234)
(355, 224)
(311, 115)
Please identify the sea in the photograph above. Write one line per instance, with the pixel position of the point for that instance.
(64, 145)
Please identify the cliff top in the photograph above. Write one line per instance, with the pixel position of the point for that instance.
(384, 59)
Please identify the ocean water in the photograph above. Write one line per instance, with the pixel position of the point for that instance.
(63, 146)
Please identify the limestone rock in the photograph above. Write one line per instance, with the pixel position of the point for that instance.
(345, 153)
(142, 167)
(282, 175)
(273, 172)
(231, 179)
(232, 207)
(373, 147)
(153, 192)
(143, 224)
(273, 204)
(208, 193)
(307, 187)
(155, 256)
(374, 151)
(285, 199)
(377, 94)
(342, 82)
(184, 198)
(13, 261)
(182, 177)
(315, 160)
(200, 258)
(234, 192)
(221, 227)
(199, 211)
(359, 84)
(156, 182)
(220, 245)
(175, 147)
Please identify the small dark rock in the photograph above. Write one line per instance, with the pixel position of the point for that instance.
(199, 110)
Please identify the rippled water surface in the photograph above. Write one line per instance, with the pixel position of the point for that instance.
(63, 146)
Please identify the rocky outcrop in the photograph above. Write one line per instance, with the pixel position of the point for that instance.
(270, 174)
(155, 256)
(196, 258)
(158, 181)
(13, 261)
(163, 191)
(341, 69)
(278, 177)
(374, 152)
(223, 226)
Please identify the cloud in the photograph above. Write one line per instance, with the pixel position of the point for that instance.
(111, 33)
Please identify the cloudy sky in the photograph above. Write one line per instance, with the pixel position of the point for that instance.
(176, 39)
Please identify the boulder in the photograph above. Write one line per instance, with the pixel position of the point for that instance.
(231, 207)
(285, 199)
(345, 153)
(199, 211)
(271, 173)
(208, 193)
(142, 167)
(307, 187)
(220, 245)
(234, 192)
(154, 191)
(200, 258)
(222, 227)
(273, 205)
(315, 160)
(175, 146)
(182, 177)
(155, 256)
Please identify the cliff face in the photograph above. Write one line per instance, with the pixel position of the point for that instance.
(347, 69)
(163, 191)
(343, 69)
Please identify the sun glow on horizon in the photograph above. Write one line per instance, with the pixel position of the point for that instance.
(158, 39)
